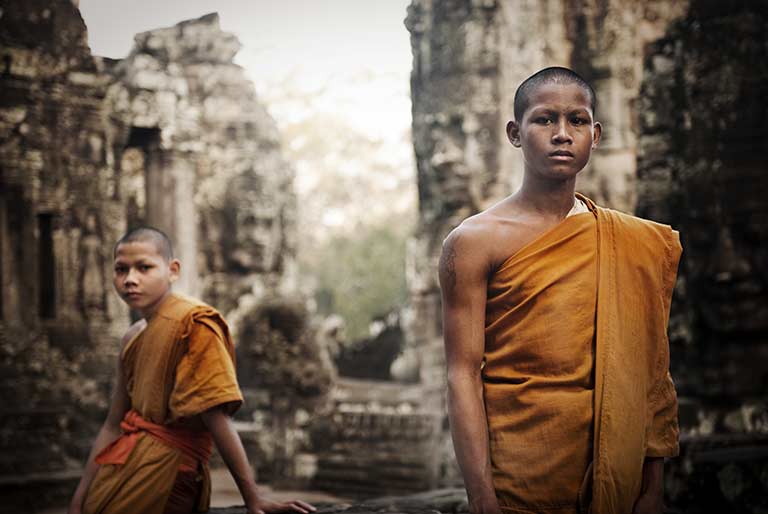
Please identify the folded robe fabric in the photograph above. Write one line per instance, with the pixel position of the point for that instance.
(538, 368)
(180, 365)
(575, 373)
(635, 400)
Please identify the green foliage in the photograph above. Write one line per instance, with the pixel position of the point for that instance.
(361, 275)
(356, 201)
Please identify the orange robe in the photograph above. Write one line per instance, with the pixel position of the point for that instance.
(576, 387)
(180, 365)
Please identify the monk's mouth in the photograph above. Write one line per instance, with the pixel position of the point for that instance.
(561, 155)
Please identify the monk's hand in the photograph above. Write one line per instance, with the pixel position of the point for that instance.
(650, 502)
(489, 505)
(267, 506)
(76, 504)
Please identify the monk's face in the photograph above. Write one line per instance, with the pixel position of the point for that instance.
(143, 277)
(557, 133)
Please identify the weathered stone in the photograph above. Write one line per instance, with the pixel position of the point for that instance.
(59, 329)
(374, 440)
(701, 97)
(198, 40)
(443, 501)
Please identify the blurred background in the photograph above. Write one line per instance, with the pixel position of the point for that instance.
(307, 159)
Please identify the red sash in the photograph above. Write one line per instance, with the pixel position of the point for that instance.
(194, 444)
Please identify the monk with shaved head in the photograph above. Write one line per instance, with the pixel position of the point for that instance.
(555, 315)
(174, 393)
(149, 235)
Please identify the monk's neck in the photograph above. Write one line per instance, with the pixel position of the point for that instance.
(547, 198)
(150, 312)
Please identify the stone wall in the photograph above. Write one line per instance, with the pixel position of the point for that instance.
(701, 169)
(468, 59)
(376, 440)
(60, 211)
(443, 501)
(215, 177)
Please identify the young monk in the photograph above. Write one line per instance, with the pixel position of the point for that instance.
(555, 316)
(174, 393)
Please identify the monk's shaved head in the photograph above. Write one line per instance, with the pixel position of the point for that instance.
(551, 75)
(146, 234)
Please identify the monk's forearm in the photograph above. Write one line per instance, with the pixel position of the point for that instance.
(651, 498)
(653, 476)
(469, 429)
(231, 449)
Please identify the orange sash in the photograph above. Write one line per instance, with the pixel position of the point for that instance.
(194, 444)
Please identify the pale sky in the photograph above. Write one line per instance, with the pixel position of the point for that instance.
(356, 51)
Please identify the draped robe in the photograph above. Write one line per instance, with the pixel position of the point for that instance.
(180, 365)
(576, 384)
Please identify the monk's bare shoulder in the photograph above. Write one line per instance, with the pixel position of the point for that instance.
(484, 241)
(470, 251)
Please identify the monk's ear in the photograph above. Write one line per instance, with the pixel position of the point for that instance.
(513, 133)
(597, 131)
(174, 267)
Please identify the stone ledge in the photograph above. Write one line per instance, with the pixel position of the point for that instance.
(441, 501)
(37, 479)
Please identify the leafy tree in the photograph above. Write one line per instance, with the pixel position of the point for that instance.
(361, 275)
(357, 197)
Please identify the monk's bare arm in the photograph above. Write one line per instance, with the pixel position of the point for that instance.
(110, 429)
(463, 281)
(231, 449)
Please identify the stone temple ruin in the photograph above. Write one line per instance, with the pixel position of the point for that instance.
(174, 135)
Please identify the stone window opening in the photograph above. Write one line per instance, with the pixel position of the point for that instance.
(146, 138)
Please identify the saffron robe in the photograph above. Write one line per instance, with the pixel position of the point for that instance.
(179, 366)
(571, 422)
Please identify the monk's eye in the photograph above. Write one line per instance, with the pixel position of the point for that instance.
(542, 120)
(144, 268)
(120, 270)
(579, 121)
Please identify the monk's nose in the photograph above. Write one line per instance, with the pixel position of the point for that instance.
(561, 134)
(130, 278)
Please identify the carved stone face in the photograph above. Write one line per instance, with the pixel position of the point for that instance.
(252, 234)
(449, 184)
(724, 179)
(725, 234)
